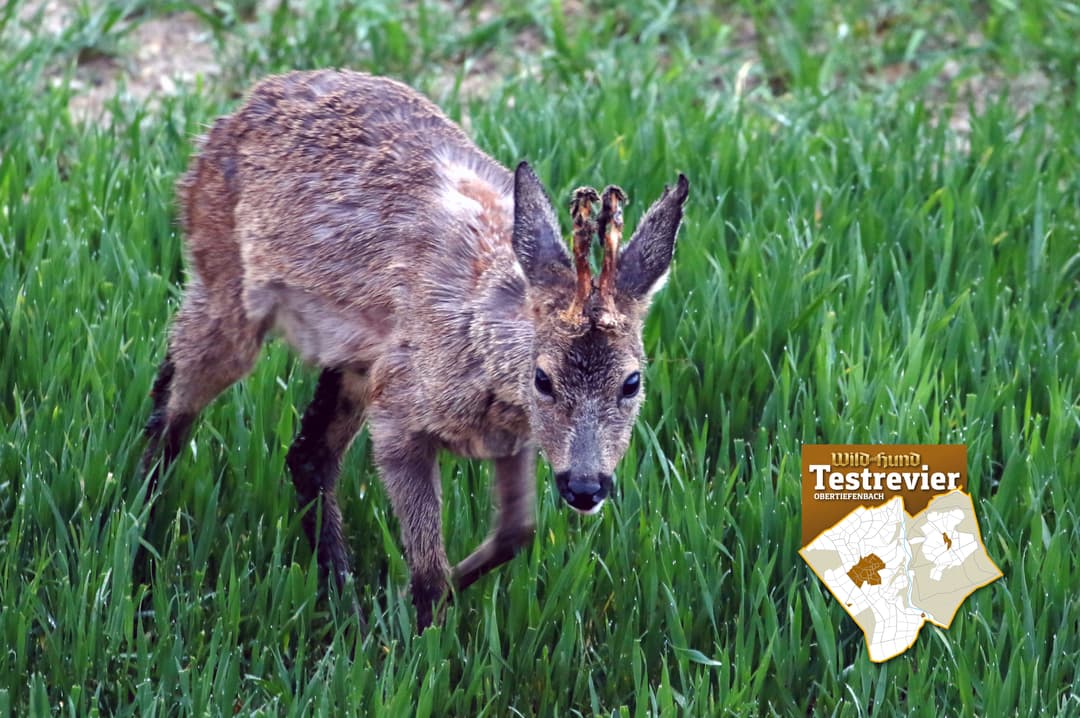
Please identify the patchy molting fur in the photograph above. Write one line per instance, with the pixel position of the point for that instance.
(347, 214)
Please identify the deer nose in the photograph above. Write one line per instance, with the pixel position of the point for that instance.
(584, 493)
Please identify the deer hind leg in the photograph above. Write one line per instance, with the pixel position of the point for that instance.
(326, 431)
(210, 348)
(515, 518)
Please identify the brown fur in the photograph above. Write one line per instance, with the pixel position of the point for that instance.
(348, 214)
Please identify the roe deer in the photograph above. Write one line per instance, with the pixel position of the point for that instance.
(432, 287)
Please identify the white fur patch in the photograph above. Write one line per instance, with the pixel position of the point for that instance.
(454, 202)
(657, 285)
(590, 512)
(519, 272)
(458, 170)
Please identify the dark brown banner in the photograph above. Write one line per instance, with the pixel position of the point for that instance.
(838, 478)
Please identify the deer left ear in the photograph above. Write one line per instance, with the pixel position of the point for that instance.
(643, 265)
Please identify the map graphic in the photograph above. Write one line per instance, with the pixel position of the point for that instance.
(893, 572)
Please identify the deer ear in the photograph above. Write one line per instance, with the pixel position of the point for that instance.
(536, 240)
(643, 265)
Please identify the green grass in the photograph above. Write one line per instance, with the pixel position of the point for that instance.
(850, 270)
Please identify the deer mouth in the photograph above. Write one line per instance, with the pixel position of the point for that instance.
(584, 494)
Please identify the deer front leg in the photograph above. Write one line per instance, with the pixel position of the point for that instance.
(515, 518)
(411, 476)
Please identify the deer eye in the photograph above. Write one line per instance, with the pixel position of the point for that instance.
(543, 383)
(632, 385)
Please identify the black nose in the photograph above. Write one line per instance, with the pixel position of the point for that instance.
(584, 493)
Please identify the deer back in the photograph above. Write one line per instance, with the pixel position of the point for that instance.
(351, 214)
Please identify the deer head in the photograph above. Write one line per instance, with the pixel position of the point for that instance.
(585, 385)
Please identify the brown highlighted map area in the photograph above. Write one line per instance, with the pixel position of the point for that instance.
(866, 570)
(948, 541)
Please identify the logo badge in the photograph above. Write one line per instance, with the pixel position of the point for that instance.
(891, 531)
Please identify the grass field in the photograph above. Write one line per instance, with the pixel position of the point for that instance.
(880, 246)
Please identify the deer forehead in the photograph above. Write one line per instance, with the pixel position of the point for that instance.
(594, 358)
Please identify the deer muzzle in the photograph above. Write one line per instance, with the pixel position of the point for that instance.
(584, 492)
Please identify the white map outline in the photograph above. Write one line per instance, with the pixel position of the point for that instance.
(887, 611)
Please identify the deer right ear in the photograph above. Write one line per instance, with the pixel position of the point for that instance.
(536, 240)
